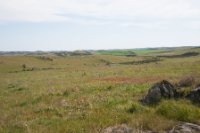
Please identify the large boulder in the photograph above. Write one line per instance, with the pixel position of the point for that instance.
(163, 89)
(186, 128)
(194, 95)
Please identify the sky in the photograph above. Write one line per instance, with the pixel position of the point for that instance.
(30, 25)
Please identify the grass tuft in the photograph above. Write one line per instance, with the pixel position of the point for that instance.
(179, 110)
(66, 93)
(136, 107)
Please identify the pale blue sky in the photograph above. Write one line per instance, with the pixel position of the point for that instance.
(98, 24)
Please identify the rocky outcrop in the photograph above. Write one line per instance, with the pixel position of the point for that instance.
(163, 89)
(123, 128)
(194, 95)
(180, 128)
(118, 129)
(186, 128)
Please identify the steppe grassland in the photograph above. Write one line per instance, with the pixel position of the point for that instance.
(85, 94)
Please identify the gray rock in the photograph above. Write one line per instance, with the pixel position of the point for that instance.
(123, 128)
(186, 128)
(180, 128)
(194, 95)
(163, 89)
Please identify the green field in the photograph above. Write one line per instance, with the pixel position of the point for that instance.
(87, 93)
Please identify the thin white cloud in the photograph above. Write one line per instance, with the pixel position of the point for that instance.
(126, 11)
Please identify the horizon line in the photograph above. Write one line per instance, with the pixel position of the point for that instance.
(32, 51)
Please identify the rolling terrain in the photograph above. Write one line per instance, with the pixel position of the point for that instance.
(87, 91)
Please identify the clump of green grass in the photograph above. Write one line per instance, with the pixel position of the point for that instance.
(36, 100)
(15, 87)
(66, 93)
(109, 87)
(113, 102)
(179, 110)
(49, 110)
(15, 129)
(32, 101)
(19, 89)
(25, 103)
(136, 107)
(12, 86)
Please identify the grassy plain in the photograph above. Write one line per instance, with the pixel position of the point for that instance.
(85, 94)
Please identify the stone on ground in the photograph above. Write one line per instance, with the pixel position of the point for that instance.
(163, 89)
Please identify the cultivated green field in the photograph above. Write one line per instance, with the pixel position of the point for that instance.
(87, 93)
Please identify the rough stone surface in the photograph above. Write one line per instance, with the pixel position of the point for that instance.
(163, 89)
(186, 128)
(123, 128)
(194, 95)
(118, 129)
(180, 128)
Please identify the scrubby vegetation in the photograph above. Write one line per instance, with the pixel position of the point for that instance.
(88, 93)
